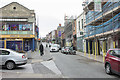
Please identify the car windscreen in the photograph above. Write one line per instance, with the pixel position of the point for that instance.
(116, 53)
(67, 47)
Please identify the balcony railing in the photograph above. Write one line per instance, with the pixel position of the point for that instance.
(112, 24)
(15, 32)
(92, 15)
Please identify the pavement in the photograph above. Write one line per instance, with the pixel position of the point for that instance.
(98, 58)
(35, 56)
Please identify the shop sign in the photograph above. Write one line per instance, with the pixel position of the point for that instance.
(20, 36)
(17, 36)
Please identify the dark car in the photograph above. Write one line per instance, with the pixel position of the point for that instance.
(66, 50)
(69, 50)
(112, 61)
(72, 50)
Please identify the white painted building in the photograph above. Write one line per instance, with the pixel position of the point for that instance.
(80, 20)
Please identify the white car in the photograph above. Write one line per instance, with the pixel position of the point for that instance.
(62, 50)
(54, 47)
(11, 59)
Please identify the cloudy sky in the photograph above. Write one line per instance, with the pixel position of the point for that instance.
(49, 13)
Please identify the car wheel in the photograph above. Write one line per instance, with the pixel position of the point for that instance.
(10, 65)
(108, 69)
(74, 53)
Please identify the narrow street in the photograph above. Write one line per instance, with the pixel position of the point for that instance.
(58, 65)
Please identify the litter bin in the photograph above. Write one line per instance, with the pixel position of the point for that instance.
(29, 54)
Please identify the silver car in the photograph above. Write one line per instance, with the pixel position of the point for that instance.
(62, 50)
(10, 59)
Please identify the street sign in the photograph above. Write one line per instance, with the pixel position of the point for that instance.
(97, 5)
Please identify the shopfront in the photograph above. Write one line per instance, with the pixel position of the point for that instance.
(18, 42)
(14, 44)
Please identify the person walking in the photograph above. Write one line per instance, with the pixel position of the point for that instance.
(41, 48)
(46, 45)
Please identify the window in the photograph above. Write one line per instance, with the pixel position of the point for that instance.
(82, 23)
(79, 24)
(4, 52)
(81, 33)
(115, 53)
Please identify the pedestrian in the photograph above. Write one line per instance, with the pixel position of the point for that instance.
(41, 48)
(46, 45)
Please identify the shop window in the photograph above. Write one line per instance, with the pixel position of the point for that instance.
(14, 27)
(20, 27)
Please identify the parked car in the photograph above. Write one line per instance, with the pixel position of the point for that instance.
(10, 59)
(72, 51)
(59, 46)
(50, 45)
(62, 50)
(112, 61)
(54, 47)
(66, 50)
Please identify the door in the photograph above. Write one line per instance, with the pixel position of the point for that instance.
(114, 60)
(5, 56)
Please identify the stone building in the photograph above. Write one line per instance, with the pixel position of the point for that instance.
(17, 27)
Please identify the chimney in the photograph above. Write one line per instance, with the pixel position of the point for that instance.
(59, 25)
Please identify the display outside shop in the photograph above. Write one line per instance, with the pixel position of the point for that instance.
(14, 26)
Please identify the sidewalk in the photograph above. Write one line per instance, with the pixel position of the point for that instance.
(99, 58)
(36, 57)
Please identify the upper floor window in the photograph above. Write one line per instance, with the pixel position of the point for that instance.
(79, 24)
(82, 23)
(16, 27)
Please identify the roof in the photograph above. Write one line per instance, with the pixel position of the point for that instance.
(14, 3)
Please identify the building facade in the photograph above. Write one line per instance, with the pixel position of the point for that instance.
(54, 35)
(68, 30)
(102, 26)
(63, 40)
(17, 27)
(80, 32)
(60, 30)
(74, 30)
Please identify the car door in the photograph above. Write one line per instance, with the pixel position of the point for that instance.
(5, 56)
(114, 60)
(117, 54)
(0, 57)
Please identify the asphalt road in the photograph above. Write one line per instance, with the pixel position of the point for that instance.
(76, 66)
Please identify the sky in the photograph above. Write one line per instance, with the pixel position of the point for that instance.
(50, 13)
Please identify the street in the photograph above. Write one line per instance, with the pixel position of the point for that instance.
(58, 65)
